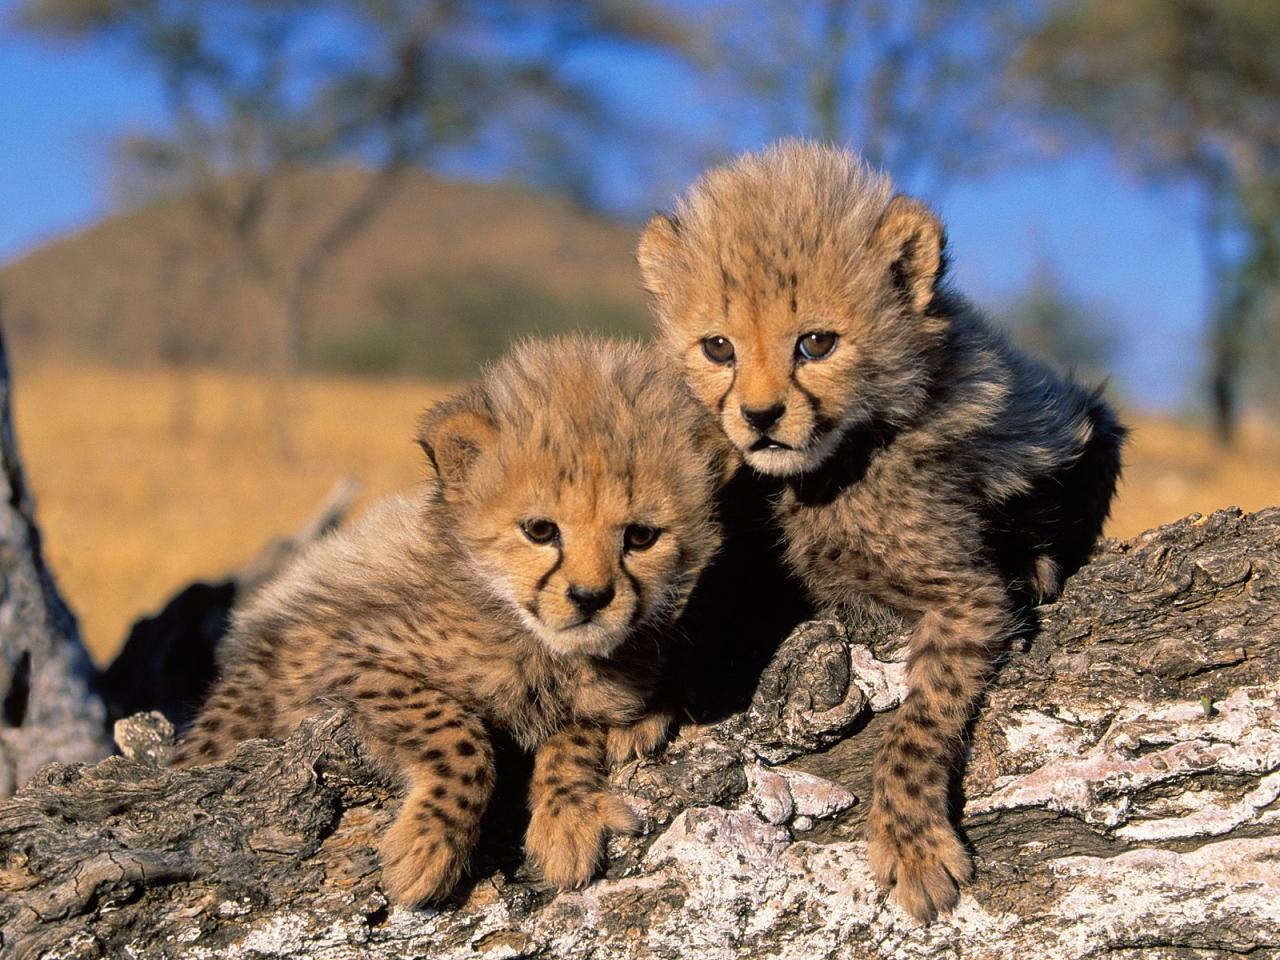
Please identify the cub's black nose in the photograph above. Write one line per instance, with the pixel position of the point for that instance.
(589, 601)
(763, 419)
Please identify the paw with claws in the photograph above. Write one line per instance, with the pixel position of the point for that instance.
(567, 834)
(640, 739)
(422, 859)
(923, 867)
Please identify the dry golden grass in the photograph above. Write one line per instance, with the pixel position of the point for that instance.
(133, 509)
(1173, 469)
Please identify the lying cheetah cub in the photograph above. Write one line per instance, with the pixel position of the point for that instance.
(570, 515)
(925, 463)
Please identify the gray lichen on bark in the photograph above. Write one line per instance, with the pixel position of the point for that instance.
(1122, 794)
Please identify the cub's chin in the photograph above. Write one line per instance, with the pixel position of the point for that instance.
(788, 461)
(783, 461)
(778, 461)
(582, 640)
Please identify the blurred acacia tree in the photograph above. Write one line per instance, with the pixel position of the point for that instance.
(1189, 91)
(1050, 321)
(911, 84)
(259, 90)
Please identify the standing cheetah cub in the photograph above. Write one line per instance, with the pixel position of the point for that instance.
(925, 463)
(570, 515)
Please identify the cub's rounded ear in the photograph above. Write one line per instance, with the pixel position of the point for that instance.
(659, 254)
(911, 240)
(454, 433)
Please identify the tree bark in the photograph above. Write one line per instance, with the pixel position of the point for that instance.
(1122, 795)
(50, 709)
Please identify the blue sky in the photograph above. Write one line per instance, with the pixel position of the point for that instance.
(60, 108)
(1129, 251)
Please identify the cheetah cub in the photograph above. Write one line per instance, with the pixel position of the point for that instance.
(924, 463)
(571, 512)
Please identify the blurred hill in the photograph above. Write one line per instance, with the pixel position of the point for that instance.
(449, 273)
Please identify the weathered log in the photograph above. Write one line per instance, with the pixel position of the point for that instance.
(49, 709)
(1122, 796)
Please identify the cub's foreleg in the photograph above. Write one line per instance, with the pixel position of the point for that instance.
(573, 813)
(914, 850)
(445, 757)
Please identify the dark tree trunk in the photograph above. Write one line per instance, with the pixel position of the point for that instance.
(50, 710)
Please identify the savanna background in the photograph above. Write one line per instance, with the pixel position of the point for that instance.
(243, 243)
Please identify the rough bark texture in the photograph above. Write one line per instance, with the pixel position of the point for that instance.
(1121, 796)
(49, 709)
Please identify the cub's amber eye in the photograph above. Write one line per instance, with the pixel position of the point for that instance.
(717, 349)
(540, 530)
(816, 346)
(640, 537)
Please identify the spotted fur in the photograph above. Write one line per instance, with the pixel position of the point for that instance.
(927, 465)
(439, 618)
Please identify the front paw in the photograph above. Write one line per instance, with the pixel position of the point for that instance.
(421, 861)
(640, 739)
(923, 867)
(567, 835)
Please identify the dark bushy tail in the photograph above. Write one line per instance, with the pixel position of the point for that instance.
(1088, 486)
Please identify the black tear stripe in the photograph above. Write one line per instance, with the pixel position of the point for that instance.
(724, 397)
(639, 591)
(543, 580)
(814, 403)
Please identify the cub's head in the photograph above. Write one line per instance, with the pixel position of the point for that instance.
(796, 291)
(578, 477)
